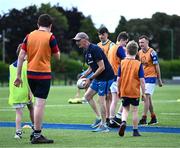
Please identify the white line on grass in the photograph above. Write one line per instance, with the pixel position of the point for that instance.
(173, 114)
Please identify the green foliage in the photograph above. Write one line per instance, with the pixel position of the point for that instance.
(88, 27)
(67, 67)
(4, 72)
(170, 68)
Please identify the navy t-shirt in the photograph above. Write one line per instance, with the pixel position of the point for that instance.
(94, 54)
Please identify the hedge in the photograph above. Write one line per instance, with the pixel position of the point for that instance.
(68, 69)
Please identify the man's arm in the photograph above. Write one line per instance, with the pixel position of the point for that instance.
(157, 67)
(101, 68)
(142, 83)
(21, 57)
(87, 72)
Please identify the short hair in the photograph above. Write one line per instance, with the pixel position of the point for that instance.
(18, 49)
(123, 35)
(143, 37)
(45, 20)
(132, 47)
(103, 30)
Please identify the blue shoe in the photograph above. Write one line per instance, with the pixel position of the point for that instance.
(101, 128)
(96, 123)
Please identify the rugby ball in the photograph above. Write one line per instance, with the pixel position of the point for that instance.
(81, 83)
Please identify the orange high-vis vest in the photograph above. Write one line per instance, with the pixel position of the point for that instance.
(105, 47)
(148, 66)
(113, 59)
(39, 51)
(129, 79)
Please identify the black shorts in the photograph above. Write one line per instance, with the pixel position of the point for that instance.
(39, 88)
(127, 101)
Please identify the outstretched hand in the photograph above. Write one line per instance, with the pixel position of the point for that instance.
(18, 82)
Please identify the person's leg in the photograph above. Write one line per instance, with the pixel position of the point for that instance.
(143, 120)
(135, 117)
(38, 113)
(89, 97)
(135, 120)
(114, 102)
(31, 112)
(19, 113)
(125, 113)
(102, 104)
(146, 106)
(153, 115)
(108, 100)
(151, 109)
(40, 90)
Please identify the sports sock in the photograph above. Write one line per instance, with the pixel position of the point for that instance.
(118, 115)
(37, 133)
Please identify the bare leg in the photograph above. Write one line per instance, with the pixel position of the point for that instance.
(114, 102)
(125, 113)
(19, 113)
(31, 111)
(135, 117)
(108, 100)
(102, 104)
(89, 97)
(39, 112)
(151, 109)
(146, 105)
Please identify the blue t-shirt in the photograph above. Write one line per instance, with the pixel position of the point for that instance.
(94, 54)
(120, 52)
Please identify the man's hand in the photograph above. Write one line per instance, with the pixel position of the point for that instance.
(160, 83)
(88, 82)
(18, 82)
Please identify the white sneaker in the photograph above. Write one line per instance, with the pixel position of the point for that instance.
(18, 135)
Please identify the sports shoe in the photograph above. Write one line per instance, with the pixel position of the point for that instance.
(153, 121)
(142, 122)
(115, 122)
(136, 133)
(122, 129)
(18, 135)
(96, 123)
(41, 140)
(101, 128)
(31, 136)
(84, 101)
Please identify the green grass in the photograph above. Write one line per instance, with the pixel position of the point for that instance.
(59, 111)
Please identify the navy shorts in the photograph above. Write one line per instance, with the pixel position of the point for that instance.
(127, 101)
(40, 88)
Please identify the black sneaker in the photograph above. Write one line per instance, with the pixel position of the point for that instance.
(31, 136)
(153, 121)
(114, 124)
(117, 120)
(136, 133)
(142, 121)
(41, 140)
(122, 129)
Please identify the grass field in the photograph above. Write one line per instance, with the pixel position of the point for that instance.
(59, 111)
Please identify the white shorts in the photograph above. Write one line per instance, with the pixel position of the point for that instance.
(149, 88)
(19, 105)
(113, 87)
